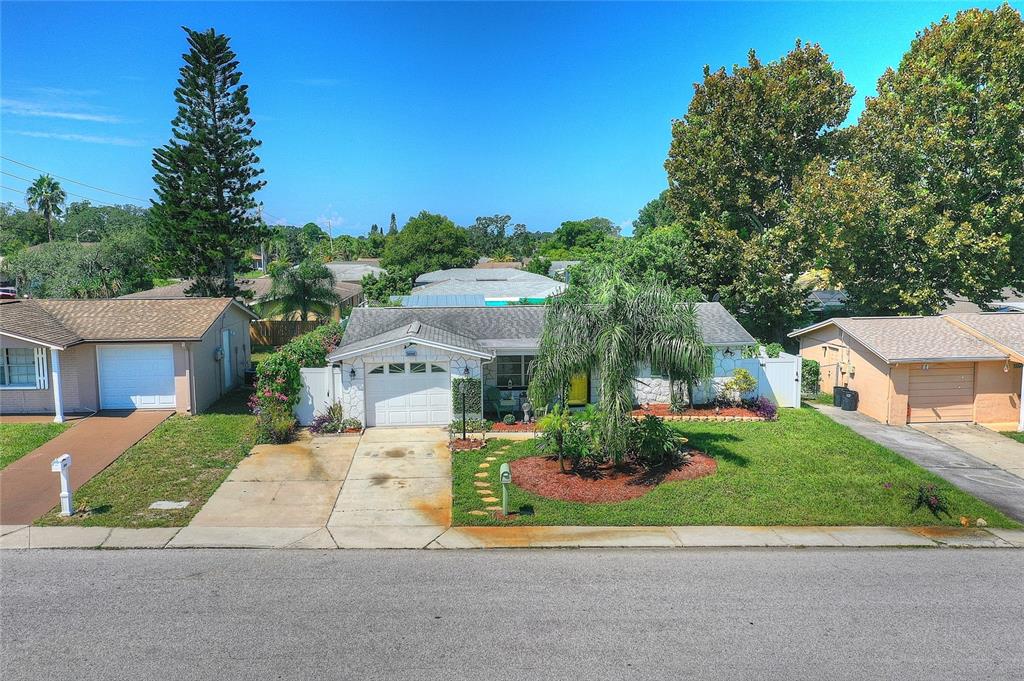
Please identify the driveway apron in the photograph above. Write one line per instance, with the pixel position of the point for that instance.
(398, 490)
(29, 489)
(988, 482)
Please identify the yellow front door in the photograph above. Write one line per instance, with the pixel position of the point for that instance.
(579, 390)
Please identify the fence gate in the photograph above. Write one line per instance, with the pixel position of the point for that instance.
(316, 393)
(780, 380)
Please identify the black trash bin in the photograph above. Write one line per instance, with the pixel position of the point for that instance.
(850, 398)
(837, 396)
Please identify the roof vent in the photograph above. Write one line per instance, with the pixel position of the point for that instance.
(414, 328)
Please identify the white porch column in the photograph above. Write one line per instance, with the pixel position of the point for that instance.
(58, 397)
(1020, 416)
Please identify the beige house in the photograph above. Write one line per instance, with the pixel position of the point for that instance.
(81, 356)
(957, 367)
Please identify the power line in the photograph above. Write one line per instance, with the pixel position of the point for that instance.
(12, 189)
(81, 196)
(68, 179)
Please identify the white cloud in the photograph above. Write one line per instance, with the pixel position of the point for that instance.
(17, 107)
(74, 137)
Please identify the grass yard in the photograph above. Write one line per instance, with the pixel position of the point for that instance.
(18, 439)
(803, 469)
(1019, 437)
(258, 353)
(821, 398)
(184, 458)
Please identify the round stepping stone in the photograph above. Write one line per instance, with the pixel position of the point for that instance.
(477, 512)
(481, 483)
(494, 508)
(489, 500)
(485, 465)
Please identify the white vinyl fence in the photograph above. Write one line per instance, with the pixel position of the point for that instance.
(318, 390)
(778, 378)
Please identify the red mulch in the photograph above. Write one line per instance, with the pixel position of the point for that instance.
(517, 427)
(603, 484)
(460, 445)
(662, 411)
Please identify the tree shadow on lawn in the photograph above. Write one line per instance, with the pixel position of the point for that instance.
(234, 403)
(716, 446)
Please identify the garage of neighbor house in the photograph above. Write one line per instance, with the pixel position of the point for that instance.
(950, 368)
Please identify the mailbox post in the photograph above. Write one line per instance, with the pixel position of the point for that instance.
(505, 475)
(62, 465)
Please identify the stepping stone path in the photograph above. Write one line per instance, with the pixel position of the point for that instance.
(485, 492)
(485, 465)
(478, 513)
(491, 458)
(481, 475)
(489, 500)
(494, 508)
(481, 483)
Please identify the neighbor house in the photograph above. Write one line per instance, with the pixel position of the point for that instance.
(394, 366)
(80, 356)
(959, 367)
(497, 286)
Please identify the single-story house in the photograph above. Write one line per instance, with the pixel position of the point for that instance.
(959, 367)
(499, 286)
(353, 271)
(81, 356)
(1009, 300)
(351, 294)
(394, 366)
(488, 264)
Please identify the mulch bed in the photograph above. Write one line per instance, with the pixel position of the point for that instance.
(460, 445)
(701, 411)
(603, 484)
(517, 427)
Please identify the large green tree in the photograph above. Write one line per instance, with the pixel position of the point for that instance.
(947, 131)
(46, 196)
(426, 243)
(747, 135)
(298, 291)
(655, 213)
(207, 175)
(486, 235)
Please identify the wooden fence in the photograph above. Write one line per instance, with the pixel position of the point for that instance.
(278, 331)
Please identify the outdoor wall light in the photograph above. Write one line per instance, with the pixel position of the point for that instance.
(352, 373)
(465, 372)
(728, 352)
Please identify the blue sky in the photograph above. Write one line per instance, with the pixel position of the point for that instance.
(547, 112)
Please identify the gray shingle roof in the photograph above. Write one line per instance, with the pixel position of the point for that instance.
(907, 339)
(1005, 328)
(259, 287)
(513, 288)
(353, 271)
(413, 331)
(516, 326)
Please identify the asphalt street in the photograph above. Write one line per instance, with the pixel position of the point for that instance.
(518, 614)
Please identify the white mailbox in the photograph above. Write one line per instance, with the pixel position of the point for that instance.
(62, 465)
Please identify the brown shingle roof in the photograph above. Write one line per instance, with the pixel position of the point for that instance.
(66, 322)
(907, 339)
(1004, 328)
(26, 319)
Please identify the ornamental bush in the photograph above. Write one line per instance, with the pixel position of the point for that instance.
(810, 377)
(742, 382)
(474, 399)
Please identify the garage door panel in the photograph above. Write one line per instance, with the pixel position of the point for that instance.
(941, 393)
(408, 399)
(136, 377)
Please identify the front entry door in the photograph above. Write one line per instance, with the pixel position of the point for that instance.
(579, 391)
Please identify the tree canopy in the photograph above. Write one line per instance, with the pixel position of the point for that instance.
(426, 243)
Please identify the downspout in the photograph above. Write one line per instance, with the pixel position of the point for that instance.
(191, 381)
(1020, 403)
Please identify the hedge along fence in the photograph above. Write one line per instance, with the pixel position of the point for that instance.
(810, 377)
(474, 398)
(278, 380)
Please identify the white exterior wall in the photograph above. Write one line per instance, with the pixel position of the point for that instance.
(351, 392)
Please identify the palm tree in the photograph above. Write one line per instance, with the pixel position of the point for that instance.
(298, 291)
(46, 196)
(606, 324)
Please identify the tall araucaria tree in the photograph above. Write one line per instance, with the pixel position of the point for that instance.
(207, 174)
(612, 326)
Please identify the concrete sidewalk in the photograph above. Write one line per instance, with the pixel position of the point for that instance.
(397, 537)
(29, 489)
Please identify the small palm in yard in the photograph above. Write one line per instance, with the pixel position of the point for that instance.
(611, 325)
(298, 291)
(46, 196)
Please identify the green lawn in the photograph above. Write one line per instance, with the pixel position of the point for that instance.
(803, 469)
(820, 398)
(1019, 437)
(184, 458)
(18, 439)
(258, 353)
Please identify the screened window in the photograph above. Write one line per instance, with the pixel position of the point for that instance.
(18, 368)
(514, 370)
(379, 369)
(417, 368)
(396, 368)
(437, 369)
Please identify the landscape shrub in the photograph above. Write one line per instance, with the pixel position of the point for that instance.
(653, 442)
(351, 424)
(810, 376)
(735, 388)
(472, 426)
(332, 420)
(474, 398)
(931, 497)
(509, 419)
(765, 408)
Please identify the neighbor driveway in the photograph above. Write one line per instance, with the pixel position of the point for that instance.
(29, 489)
(987, 445)
(398, 492)
(983, 479)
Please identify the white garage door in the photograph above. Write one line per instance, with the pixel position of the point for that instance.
(136, 376)
(408, 394)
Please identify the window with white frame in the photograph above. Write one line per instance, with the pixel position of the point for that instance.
(514, 370)
(23, 368)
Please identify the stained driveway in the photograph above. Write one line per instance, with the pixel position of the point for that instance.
(985, 480)
(398, 491)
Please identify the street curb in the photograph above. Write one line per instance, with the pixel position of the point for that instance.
(532, 537)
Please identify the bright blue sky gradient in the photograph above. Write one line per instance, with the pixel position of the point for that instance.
(547, 112)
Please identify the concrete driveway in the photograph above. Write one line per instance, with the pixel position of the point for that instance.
(398, 492)
(981, 442)
(974, 475)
